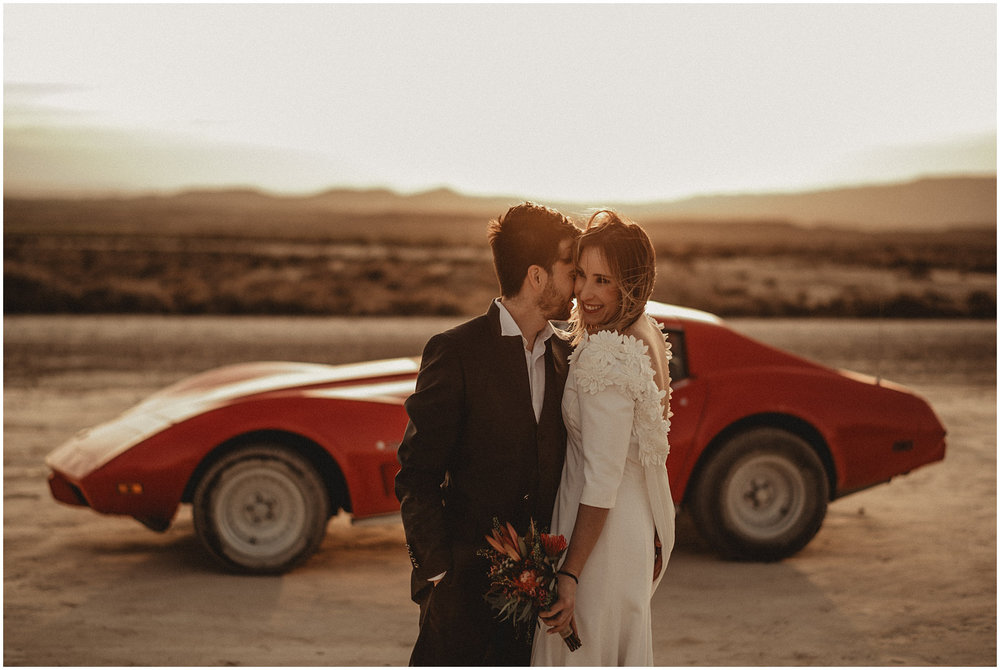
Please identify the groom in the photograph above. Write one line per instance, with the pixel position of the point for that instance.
(486, 440)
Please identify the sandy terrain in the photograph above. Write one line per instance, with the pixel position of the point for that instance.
(902, 574)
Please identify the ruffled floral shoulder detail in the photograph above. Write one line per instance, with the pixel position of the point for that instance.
(607, 358)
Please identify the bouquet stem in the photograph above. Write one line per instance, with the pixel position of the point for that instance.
(571, 639)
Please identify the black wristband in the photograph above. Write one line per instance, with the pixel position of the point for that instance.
(568, 574)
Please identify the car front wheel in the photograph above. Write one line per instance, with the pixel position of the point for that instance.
(761, 497)
(261, 509)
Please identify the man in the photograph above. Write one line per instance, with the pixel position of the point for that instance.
(486, 440)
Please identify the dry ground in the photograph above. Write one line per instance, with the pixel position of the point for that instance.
(902, 574)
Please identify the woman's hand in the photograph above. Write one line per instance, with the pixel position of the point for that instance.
(559, 617)
(589, 523)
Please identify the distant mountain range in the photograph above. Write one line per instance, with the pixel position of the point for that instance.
(934, 202)
(923, 204)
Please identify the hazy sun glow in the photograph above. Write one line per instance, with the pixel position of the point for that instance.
(589, 102)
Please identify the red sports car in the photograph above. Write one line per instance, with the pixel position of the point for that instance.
(267, 452)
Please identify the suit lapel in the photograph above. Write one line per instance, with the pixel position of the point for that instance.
(512, 366)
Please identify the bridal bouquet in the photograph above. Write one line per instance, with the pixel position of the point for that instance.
(523, 574)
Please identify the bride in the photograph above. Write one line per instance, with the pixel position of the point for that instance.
(614, 501)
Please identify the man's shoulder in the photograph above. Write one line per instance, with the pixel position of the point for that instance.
(464, 337)
(474, 329)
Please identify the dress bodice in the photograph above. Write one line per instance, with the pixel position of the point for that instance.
(609, 360)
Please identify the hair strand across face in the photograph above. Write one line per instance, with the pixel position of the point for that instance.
(629, 254)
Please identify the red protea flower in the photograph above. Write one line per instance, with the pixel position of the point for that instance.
(553, 544)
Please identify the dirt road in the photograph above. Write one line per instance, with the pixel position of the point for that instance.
(902, 574)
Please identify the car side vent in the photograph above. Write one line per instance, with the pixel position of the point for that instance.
(902, 445)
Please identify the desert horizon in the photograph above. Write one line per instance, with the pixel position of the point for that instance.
(924, 201)
(679, 102)
(365, 253)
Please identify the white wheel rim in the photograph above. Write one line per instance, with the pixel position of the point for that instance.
(764, 496)
(260, 510)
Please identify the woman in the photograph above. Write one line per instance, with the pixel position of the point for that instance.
(614, 501)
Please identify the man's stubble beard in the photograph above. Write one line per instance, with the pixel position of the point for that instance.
(551, 304)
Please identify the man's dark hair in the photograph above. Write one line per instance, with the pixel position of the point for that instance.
(528, 234)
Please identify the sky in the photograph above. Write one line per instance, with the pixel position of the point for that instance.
(585, 102)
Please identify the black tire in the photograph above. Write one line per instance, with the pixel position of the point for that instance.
(261, 509)
(761, 497)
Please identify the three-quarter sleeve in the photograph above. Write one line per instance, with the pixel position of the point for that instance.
(606, 424)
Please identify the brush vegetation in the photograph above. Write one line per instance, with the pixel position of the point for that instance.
(248, 253)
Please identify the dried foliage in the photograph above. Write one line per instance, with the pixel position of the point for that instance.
(118, 257)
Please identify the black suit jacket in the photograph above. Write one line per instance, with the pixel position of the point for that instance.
(472, 450)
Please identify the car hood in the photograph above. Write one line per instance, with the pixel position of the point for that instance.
(668, 312)
(225, 384)
(389, 381)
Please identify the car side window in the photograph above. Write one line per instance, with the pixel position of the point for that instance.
(678, 361)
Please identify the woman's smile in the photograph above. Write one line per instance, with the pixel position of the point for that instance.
(596, 288)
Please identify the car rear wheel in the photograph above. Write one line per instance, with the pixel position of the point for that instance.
(261, 509)
(762, 496)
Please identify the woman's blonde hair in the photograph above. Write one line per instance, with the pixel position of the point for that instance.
(630, 257)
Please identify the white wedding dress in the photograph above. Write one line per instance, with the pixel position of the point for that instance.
(615, 458)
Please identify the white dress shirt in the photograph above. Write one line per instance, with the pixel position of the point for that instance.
(534, 357)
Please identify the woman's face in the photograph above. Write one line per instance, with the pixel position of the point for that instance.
(596, 289)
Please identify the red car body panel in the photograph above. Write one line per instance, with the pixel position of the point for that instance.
(357, 417)
(146, 462)
(871, 430)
